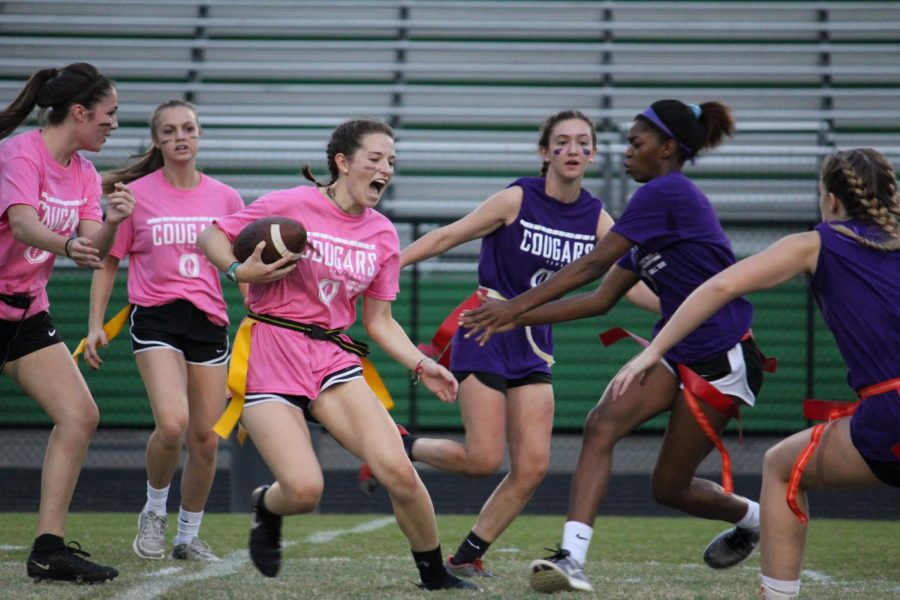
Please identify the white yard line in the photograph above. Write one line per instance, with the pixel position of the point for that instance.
(167, 578)
(162, 581)
(329, 535)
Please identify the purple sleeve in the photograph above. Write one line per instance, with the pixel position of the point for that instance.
(645, 219)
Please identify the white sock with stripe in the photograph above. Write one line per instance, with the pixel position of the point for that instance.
(577, 540)
(188, 526)
(156, 499)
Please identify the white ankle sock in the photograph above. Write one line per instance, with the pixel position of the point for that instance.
(577, 540)
(156, 499)
(188, 526)
(776, 589)
(751, 519)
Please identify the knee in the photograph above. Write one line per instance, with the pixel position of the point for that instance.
(599, 430)
(668, 492)
(82, 422)
(531, 473)
(203, 445)
(399, 478)
(171, 429)
(300, 497)
(483, 465)
(777, 463)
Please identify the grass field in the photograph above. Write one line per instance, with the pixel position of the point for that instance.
(365, 556)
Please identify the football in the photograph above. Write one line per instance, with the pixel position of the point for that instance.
(283, 237)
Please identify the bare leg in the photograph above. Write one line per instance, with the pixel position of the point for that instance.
(684, 448)
(164, 373)
(206, 399)
(353, 415)
(282, 437)
(836, 464)
(608, 422)
(67, 401)
(529, 428)
(483, 412)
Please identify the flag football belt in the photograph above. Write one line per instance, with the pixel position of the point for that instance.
(439, 349)
(826, 410)
(240, 357)
(695, 387)
(335, 336)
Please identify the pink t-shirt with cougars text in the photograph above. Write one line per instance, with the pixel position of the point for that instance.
(347, 255)
(160, 237)
(61, 195)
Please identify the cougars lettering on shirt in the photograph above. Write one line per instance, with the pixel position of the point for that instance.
(546, 235)
(347, 255)
(160, 237)
(62, 196)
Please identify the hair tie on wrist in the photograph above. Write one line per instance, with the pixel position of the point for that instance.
(67, 247)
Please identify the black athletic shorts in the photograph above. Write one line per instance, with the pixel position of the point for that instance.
(302, 402)
(19, 338)
(182, 327)
(500, 383)
(887, 471)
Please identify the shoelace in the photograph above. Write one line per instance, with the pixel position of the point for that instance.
(558, 553)
(74, 548)
(153, 525)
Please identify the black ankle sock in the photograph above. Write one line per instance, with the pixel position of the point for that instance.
(408, 441)
(431, 566)
(471, 549)
(264, 512)
(47, 543)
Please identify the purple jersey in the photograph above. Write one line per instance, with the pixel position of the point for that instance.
(546, 235)
(858, 292)
(679, 244)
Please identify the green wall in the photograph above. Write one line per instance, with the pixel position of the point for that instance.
(583, 366)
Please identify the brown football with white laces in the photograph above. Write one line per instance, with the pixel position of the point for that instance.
(283, 237)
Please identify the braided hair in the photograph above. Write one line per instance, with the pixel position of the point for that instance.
(866, 185)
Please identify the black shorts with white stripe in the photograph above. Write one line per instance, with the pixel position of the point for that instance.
(302, 402)
(182, 327)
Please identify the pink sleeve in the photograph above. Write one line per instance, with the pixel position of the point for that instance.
(19, 183)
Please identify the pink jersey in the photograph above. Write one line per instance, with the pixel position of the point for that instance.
(348, 255)
(62, 196)
(160, 236)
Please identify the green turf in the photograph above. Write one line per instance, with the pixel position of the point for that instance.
(634, 558)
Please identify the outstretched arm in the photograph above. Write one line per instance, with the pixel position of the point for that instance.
(615, 285)
(785, 259)
(493, 316)
(387, 333)
(498, 210)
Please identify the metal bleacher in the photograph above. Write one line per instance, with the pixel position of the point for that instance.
(466, 84)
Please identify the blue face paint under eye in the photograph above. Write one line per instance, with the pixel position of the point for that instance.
(557, 151)
(586, 151)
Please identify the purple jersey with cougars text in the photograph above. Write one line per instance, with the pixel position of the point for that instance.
(678, 244)
(546, 235)
(858, 291)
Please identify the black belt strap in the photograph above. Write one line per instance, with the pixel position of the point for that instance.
(316, 332)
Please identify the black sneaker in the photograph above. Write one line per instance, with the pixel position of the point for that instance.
(731, 547)
(67, 564)
(265, 536)
(451, 582)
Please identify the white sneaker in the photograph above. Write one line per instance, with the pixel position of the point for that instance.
(558, 573)
(196, 549)
(150, 542)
